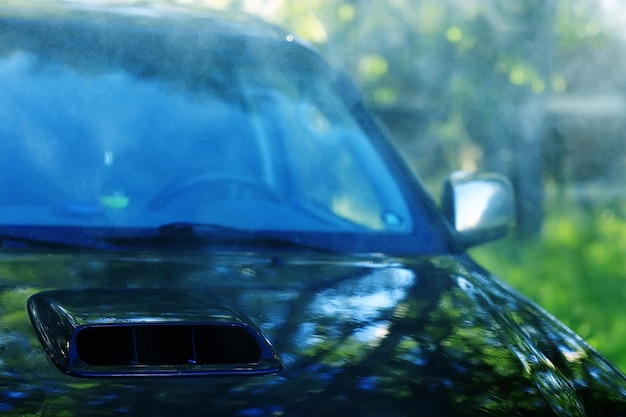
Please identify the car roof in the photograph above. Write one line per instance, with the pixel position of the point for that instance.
(150, 41)
(204, 20)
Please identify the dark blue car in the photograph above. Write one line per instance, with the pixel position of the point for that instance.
(199, 217)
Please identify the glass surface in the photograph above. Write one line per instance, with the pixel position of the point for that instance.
(262, 144)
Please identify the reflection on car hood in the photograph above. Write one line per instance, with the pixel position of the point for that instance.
(356, 336)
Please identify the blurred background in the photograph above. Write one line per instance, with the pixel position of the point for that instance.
(534, 89)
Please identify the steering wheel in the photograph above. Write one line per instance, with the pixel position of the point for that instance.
(235, 182)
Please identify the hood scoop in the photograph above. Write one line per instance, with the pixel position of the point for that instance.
(155, 333)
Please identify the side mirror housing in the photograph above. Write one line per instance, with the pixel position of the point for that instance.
(481, 207)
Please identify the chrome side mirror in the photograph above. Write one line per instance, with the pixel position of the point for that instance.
(481, 207)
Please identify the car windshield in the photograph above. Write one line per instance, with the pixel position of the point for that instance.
(238, 135)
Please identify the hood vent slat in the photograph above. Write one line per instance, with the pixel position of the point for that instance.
(164, 345)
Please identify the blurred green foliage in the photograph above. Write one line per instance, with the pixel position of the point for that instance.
(576, 271)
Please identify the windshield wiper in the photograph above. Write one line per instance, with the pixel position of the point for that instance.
(187, 235)
(76, 237)
(171, 236)
(30, 238)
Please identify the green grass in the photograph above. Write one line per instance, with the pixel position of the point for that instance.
(576, 270)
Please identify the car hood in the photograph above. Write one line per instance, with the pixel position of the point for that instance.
(365, 335)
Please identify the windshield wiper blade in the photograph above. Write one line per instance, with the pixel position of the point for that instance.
(171, 236)
(18, 241)
(76, 237)
(189, 229)
(197, 235)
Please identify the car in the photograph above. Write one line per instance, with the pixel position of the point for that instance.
(199, 216)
